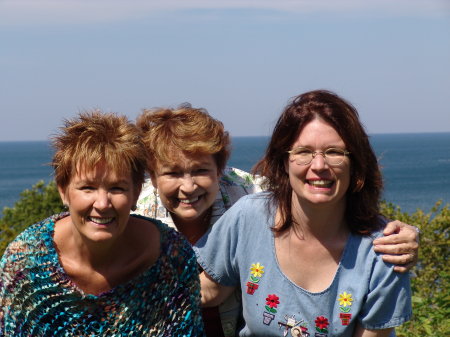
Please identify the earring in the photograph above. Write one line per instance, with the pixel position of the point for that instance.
(134, 207)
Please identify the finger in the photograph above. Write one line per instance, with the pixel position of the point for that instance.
(405, 268)
(402, 259)
(397, 249)
(407, 234)
(391, 239)
(393, 227)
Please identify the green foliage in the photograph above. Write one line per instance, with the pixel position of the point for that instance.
(430, 278)
(34, 205)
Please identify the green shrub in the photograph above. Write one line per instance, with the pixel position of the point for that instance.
(34, 205)
(430, 278)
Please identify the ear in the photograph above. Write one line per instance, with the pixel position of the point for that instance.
(63, 195)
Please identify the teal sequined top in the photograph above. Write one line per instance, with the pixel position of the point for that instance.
(37, 298)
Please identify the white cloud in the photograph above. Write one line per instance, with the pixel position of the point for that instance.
(20, 12)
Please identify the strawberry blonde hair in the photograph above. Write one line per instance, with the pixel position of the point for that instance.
(94, 137)
(190, 130)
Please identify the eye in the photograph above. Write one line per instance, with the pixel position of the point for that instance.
(201, 171)
(86, 188)
(170, 173)
(301, 151)
(332, 152)
(118, 189)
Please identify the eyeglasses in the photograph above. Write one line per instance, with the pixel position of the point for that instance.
(304, 156)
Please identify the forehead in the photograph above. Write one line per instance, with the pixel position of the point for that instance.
(187, 160)
(318, 133)
(99, 172)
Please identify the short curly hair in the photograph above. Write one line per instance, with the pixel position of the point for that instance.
(94, 137)
(186, 129)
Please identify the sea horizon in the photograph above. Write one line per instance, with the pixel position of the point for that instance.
(415, 166)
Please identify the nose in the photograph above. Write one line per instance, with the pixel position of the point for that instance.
(318, 161)
(102, 199)
(187, 183)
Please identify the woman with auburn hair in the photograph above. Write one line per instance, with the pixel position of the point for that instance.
(191, 188)
(302, 251)
(190, 185)
(95, 270)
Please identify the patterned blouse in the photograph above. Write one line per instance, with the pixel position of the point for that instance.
(37, 298)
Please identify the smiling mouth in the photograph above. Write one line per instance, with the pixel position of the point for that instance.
(189, 201)
(321, 183)
(100, 221)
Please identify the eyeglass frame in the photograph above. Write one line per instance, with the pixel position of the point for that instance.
(322, 153)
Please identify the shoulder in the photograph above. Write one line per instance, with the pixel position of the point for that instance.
(37, 237)
(369, 262)
(235, 177)
(254, 202)
(31, 253)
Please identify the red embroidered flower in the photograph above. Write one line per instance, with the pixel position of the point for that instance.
(272, 300)
(321, 322)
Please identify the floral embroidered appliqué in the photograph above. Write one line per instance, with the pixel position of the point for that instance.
(272, 302)
(345, 303)
(256, 272)
(322, 324)
(296, 328)
(345, 299)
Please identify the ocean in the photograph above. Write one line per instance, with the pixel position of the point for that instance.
(416, 167)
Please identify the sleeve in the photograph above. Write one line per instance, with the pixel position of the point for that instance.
(388, 302)
(218, 250)
(11, 265)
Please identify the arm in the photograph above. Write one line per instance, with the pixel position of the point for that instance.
(362, 332)
(400, 245)
(212, 292)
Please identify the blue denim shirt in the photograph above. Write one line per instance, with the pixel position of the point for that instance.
(239, 251)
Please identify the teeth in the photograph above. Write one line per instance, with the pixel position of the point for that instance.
(321, 183)
(100, 220)
(189, 201)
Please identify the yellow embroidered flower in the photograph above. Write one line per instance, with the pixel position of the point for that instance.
(345, 299)
(257, 270)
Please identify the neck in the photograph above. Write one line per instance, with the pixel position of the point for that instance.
(320, 221)
(194, 229)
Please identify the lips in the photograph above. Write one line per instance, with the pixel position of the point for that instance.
(189, 201)
(100, 220)
(321, 183)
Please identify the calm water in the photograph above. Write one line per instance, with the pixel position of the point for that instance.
(416, 167)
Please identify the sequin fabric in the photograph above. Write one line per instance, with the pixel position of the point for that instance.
(37, 298)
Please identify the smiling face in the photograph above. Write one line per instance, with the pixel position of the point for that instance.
(318, 182)
(99, 202)
(188, 187)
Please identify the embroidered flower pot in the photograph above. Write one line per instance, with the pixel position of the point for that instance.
(320, 334)
(267, 318)
(251, 287)
(345, 318)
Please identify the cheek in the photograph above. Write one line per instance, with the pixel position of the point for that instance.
(213, 185)
(165, 189)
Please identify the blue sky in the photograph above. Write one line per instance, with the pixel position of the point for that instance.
(242, 60)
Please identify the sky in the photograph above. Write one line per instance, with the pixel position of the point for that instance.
(242, 60)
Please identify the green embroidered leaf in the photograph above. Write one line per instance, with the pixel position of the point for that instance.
(272, 310)
(254, 279)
